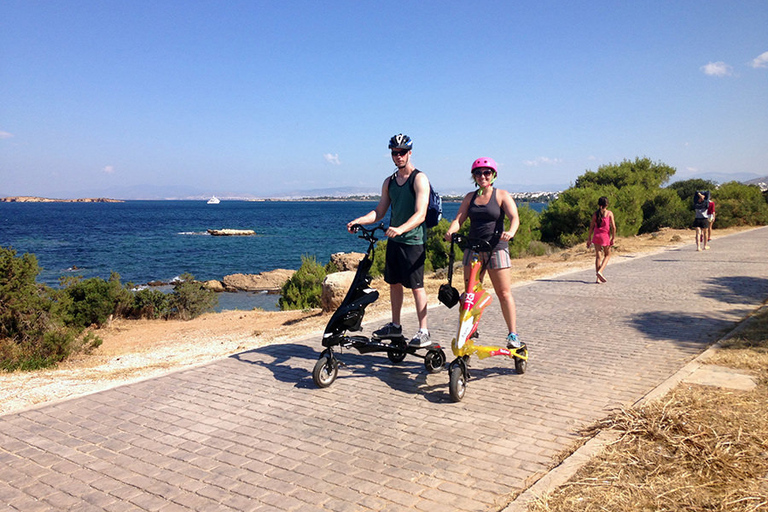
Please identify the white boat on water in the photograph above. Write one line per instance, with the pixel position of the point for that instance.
(214, 200)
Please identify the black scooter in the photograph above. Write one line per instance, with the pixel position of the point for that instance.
(349, 317)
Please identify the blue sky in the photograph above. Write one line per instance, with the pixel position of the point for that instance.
(130, 98)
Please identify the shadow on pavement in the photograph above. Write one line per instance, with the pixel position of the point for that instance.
(585, 281)
(736, 289)
(697, 329)
(408, 376)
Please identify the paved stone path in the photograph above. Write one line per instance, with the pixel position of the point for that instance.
(252, 432)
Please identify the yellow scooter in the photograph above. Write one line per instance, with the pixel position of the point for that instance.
(473, 303)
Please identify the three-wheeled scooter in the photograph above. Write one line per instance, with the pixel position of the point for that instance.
(349, 317)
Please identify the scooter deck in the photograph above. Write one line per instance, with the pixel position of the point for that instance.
(387, 341)
(383, 345)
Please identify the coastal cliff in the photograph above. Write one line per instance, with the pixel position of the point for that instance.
(29, 199)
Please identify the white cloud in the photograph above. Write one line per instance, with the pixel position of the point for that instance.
(761, 61)
(109, 169)
(332, 159)
(542, 160)
(719, 68)
(5, 135)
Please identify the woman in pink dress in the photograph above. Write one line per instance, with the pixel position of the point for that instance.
(602, 231)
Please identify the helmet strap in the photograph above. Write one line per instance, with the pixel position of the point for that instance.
(482, 190)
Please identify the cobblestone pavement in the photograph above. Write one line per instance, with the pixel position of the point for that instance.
(252, 432)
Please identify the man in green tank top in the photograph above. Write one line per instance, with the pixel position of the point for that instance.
(407, 192)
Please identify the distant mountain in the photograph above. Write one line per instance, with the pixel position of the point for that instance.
(760, 182)
(718, 177)
(181, 192)
(327, 192)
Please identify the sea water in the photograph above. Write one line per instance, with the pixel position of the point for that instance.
(147, 241)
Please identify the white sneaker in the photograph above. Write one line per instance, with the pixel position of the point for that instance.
(513, 341)
(421, 340)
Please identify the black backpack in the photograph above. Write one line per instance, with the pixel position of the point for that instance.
(434, 206)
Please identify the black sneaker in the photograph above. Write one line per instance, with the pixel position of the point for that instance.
(388, 331)
(421, 340)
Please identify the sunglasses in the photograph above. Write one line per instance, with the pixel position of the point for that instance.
(400, 152)
(486, 172)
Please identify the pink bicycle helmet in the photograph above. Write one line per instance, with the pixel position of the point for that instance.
(485, 162)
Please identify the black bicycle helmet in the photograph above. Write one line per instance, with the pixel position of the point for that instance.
(400, 141)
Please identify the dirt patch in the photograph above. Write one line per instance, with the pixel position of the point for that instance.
(137, 349)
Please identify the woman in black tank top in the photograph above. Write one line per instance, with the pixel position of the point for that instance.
(486, 209)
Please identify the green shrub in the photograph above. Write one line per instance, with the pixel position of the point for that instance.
(627, 208)
(565, 222)
(190, 299)
(379, 255)
(538, 248)
(632, 189)
(641, 172)
(93, 301)
(527, 232)
(24, 305)
(149, 303)
(33, 332)
(687, 188)
(304, 289)
(665, 210)
(737, 204)
(437, 247)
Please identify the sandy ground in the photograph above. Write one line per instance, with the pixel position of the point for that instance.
(140, 349)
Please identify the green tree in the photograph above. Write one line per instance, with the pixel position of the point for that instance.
(190, 298)
(93, 301)
(24, 305)
(627, 185)
(379, 255)
(33, 333)
(642, 172)
(529, 231)
(304, 289)
(149, 303)
(665, 209)
(565, 222)
(437, 248)
(737, 204)
(687, 188)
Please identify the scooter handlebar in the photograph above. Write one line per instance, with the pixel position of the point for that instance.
(368, 234)
(473, 244)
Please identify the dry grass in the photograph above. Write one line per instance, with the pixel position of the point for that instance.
(699, 449)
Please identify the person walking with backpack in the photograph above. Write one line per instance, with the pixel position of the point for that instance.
(486, 209)
(407, 192)
(701, 218)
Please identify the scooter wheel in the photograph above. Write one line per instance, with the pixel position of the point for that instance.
(325, 372)
(434, 361)
(458, 383)
(521, 364)
(396, 356)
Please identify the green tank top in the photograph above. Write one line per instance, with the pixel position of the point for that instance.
(403, 203)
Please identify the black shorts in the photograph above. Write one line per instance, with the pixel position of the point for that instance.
(404, 264)
(701, 223)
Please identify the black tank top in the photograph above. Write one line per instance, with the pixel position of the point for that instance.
(487, 221)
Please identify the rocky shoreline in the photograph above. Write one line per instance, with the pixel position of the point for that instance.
(31, 199)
